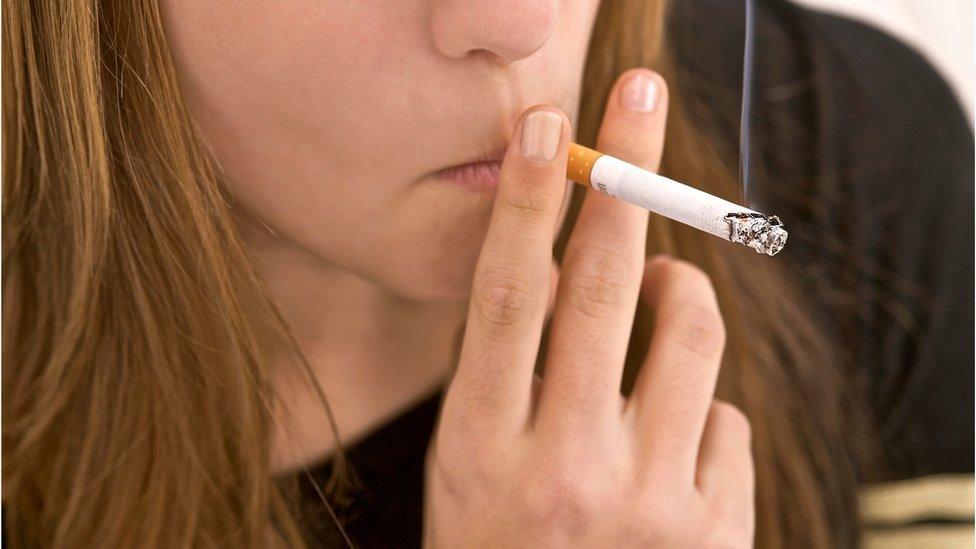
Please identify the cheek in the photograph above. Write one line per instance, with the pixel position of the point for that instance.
(282, 81)
(432, 244)
(438, 268)
(277, 89)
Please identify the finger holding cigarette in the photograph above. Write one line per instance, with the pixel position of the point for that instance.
(602, 269)
(674, 200)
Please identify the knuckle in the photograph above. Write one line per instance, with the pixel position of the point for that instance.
(500, 300)
(656, 262)
(689, 274)
(528, 201)
(663, 519)
(596, 281)
(460, 466)
(735, 534)
(442, 471)
(541, 505)
(661, 512)
(669, 277)
(731, 419)
(699, 330)
(559, 500)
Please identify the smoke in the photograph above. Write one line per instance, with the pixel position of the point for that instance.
(748, 55)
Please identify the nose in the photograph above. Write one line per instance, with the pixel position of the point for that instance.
(508, 29)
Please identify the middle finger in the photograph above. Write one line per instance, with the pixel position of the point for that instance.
(601, 271)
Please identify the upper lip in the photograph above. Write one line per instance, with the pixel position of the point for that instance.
(495, 155)
(492, 155)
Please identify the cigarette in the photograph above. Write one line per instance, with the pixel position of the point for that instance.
(763, 233)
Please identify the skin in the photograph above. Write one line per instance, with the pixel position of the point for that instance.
(328, 119)
(369, 258)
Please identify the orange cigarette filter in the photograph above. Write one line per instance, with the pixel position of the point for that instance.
(581, 161)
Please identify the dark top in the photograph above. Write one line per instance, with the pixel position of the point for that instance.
(855, 119)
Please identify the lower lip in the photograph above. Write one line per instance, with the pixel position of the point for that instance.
(477, 176)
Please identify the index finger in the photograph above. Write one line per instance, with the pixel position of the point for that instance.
(510, 288)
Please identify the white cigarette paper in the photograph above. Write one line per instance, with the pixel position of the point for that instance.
(678, 201)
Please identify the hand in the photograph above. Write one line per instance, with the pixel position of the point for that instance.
(568, 462)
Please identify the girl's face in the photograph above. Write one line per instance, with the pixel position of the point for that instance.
(331, 118)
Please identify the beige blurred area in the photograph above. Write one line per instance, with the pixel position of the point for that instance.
(941, 29)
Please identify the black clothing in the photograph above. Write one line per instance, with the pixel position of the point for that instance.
(850, 116)
(850, 119)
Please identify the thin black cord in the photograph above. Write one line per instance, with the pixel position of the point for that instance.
(747, 92)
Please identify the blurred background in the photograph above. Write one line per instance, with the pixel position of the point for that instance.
(942, 30)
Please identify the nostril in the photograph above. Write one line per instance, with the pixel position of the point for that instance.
(490, 56)
(482, 52)
(504, 30)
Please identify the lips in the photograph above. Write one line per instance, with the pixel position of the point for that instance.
(480, 173)
(494, 155)
(477, 176)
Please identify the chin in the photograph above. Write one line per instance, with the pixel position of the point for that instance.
(435, 260)
(443, 277)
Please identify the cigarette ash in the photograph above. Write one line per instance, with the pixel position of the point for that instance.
(765, 234)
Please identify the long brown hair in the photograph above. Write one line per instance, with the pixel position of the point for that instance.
(136, 384)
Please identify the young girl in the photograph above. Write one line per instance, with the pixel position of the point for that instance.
(310, 273)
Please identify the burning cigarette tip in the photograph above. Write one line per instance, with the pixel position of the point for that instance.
(675, 200)
(765, 234)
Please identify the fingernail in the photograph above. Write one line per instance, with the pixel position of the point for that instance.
(540, 136)
(639, 93)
